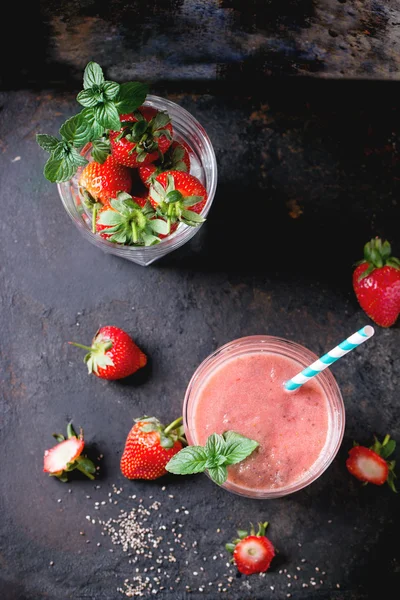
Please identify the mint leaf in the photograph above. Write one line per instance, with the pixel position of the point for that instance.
(88, 98)
(111, 89)
(93, 75)
(219, 451)
(47, 142)
(215, 445)
(131, 95)
(58, 170)
(76, 130)
(100, 150)
(218, 474)
(107, 115)
(90, 116)
(191, 459)
(237, 447)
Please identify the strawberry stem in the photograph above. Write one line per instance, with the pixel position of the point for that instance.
(83, 470)
(134, 233)
(173, 425)
(94, 215)
(89, 348)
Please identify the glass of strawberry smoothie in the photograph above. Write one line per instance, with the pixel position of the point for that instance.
(240, 387)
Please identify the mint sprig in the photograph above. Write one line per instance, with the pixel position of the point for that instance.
(219, 452)
(103, 102)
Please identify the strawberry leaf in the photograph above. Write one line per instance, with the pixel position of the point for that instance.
(159, 226)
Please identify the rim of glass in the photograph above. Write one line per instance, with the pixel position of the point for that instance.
(184, 233)
(304, 357)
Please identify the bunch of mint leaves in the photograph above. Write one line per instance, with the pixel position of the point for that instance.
(219, 452)
(103, 102)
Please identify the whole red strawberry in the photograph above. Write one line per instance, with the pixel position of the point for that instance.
(149, 446)
(176, 158)
(99, 182)
(178, 196)
(67, 456)
(130, 220)
(113, 354)
(370, 465)
(145, 136)
(252, 552)
(376, 283)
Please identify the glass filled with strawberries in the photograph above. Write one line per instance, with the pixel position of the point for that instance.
(136, 173)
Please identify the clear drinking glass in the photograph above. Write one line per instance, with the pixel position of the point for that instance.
(296, 352)
(203, 165)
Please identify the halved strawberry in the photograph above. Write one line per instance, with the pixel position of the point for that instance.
(369, 465)
(145, 136)
(176, 158)
(252, 552)
(67, 456)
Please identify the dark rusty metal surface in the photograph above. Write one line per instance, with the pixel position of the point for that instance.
(304, 181)
(210, 40)
(309, 170)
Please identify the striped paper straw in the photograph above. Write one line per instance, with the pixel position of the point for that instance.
(332, 356)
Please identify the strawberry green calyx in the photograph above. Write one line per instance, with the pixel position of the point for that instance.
(384, 449)
(103, 101)
(171, 161)
(173, 205)
(128, 223)
(242, 534)
(378, 254)
(168, 435)
(97, 356)
(144, 134)
(67, 456)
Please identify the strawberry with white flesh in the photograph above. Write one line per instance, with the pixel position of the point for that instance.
(178, 196)
(176, 158)
(376, 283)
(252, 552)
(370, 465)
(131, 221)
(113, 354)
(67, 456)
(145, 135)
(149, 446)
(99, 182)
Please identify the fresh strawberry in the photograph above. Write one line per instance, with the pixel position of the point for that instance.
(149, 446)
(376, 283)
(370, 465)
(145, 136)
(130, 220)
(252, 552)
(178, 196)
(100, 182)
(176, 158)
(113, 354)
(67, 456)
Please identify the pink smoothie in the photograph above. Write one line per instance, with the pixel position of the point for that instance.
(245, 394)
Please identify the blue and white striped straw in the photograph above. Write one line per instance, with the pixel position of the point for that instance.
(332, 356)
